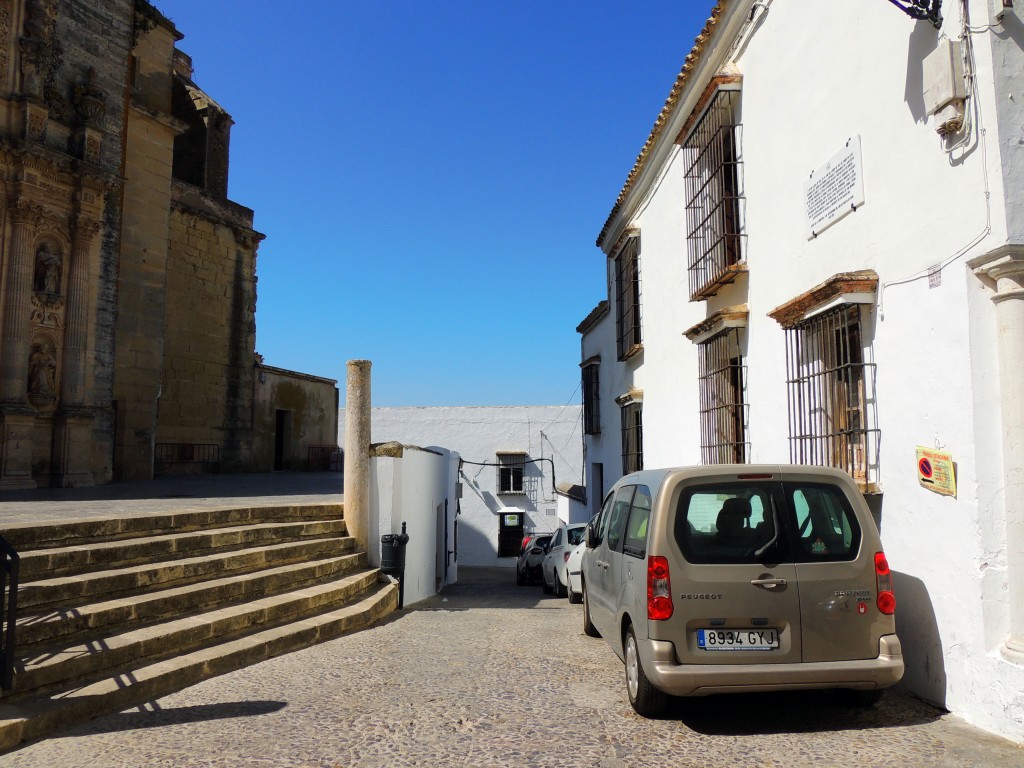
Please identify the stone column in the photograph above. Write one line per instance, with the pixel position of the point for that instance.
(1006, 268)
(16, 416)
(72, 445)
(357, 451)
(18, 304)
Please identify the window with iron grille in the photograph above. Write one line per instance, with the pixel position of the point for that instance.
(591, 399)
(627, 298)
(714, 196)
(832, 406)
(511, 468)
(632, 438)
(723, 413)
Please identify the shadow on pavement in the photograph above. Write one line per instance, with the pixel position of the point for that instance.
(753, 714)
(153, 716)
(487, 587)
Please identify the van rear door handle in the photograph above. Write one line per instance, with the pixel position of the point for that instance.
(768, 583)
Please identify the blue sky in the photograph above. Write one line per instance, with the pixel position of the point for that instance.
(432, 177)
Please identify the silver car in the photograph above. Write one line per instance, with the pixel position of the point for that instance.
(735, 578)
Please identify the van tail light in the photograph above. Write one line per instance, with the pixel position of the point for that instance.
(566, 556)
(883, 581)
(659, 589)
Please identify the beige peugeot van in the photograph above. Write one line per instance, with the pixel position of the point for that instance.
(736, 578)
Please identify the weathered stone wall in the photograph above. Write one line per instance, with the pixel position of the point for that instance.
(309, 407)
(209, 349)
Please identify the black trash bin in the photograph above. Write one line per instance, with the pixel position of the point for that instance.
(392, 559)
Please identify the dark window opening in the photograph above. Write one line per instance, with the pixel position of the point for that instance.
(723, 413)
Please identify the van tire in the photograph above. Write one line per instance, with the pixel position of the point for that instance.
(588, 626)
(645, 699)
(560, 588)
(861, 699)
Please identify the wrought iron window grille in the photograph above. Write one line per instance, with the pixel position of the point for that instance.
(723, 410)
(831, 393)
(591, 399)
(511, 474)
(627, 299)
(715, 196)
(632, 438)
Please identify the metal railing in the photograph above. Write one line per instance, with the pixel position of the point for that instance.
(187, 453)
(8, 612)
(324, 458)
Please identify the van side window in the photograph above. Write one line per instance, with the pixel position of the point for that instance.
(557, 540)
(617, 521)
(826, 528)
(635, 543)
(601, 521)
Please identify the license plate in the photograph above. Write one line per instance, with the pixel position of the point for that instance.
(737, 639)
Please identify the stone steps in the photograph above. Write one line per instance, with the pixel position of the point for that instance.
(115, 612)
(132, 685)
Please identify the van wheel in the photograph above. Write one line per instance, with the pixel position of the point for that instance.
(647, 700)
(575, 597)
(520, 578)
(588, 626)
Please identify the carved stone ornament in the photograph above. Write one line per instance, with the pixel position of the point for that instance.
(35, 125)
(23, 211)
(48, 271)
(47, 310)
(92, 149)
(84, 228)
(42, 371)
(90, 99)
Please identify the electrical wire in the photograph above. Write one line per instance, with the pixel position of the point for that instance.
(525, 461)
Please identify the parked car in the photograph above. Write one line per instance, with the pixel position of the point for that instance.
(562, 543)
(574, 584)
(736, 578)
(531, 558)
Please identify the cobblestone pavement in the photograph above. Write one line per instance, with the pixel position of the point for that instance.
(490, 674)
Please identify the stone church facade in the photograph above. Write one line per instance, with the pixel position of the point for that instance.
(127, 277)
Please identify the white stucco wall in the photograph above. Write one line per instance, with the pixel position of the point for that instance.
(814, 75)
(551, 435)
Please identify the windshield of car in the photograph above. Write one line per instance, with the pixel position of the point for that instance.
(575, 535)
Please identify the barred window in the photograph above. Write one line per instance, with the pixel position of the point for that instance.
(511, 468)
(627, 298)
(714, 196)
(723, 412)
(591, 399)
(632, 438)
(832, 406)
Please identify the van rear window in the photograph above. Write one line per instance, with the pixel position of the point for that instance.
(766, 522)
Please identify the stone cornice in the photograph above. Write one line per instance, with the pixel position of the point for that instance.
(729, 317)
(792, 312)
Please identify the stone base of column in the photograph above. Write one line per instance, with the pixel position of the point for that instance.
(72, 449)
(1013, 650)
(16, 426)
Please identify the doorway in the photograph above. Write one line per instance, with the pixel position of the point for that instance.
(282, 440)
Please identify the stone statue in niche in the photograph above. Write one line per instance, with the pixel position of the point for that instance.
(48, 270)
(42, 369)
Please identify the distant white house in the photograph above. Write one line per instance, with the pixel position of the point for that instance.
(512, 459)
(819, 257)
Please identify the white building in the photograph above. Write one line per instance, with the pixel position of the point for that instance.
(512, 459)
(819, 257)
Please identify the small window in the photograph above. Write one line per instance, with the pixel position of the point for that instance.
(511, 468)
(627, 299)
(591, 399)
(632, 438)
(635, 544)
(723, 413)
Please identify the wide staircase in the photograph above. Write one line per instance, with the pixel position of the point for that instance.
(116, 612)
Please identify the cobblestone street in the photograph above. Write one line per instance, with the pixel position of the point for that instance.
(492, 674)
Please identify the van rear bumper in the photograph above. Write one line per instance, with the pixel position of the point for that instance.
(666, 674)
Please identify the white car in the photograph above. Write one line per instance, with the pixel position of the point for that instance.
(563, 542)
(573, 573)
